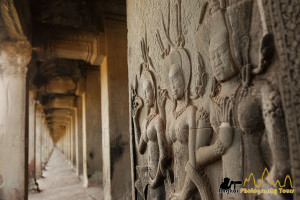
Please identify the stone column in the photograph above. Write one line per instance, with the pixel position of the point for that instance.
(79, 142)
(38, 150)
(32, 184)
(14, 57)
(74, 133)
(73, 142)
(61, 141)
(92, 136)
(69, 140)
(43, 141)
(65, 142)
(114, 99)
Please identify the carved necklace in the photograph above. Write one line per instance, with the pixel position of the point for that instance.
(177, 114)
(149, 118)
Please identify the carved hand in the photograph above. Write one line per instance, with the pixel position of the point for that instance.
(226, 112)
(226, 130)
(137, 104)
(226, 135)
(163, 95)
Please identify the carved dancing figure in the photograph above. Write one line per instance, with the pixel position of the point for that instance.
(150, 135)
(245, 112)
(183, 120)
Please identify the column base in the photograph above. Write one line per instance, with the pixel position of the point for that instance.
(33, 185)
(94, 180)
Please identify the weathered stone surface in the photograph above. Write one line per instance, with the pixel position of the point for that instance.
(60, 85)
(32, 186)
(13, 62)
(186, 138)
(115, 137)
(92, 130)
(79, 135)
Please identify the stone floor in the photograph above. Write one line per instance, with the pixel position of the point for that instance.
(61, 183)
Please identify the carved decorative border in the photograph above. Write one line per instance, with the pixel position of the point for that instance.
(285, 21)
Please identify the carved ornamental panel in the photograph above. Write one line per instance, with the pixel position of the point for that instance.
(210, 99)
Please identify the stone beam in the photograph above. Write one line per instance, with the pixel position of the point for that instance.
(59, 85)
(70, 44)
(58, 112)
(62, 102)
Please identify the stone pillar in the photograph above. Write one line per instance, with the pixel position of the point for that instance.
(14, 57)
(92, 136)
(43, 141)
(74, 133)
(114, 99)
(38, 149)
(65, 142)
(32, 184)
(69, 140)
(79, 142)
(62, 144)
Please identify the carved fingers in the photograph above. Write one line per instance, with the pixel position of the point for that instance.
(163, 96)
(226, 111)
(226, 130)
(137, 104)
(225, 136)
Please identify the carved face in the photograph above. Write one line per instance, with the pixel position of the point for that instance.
(221, 64)
(177, 82)
(148, 93)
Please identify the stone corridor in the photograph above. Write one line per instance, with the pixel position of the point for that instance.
(60, 182)
(64, 86)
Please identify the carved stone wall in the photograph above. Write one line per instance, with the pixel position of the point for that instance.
(212, 99)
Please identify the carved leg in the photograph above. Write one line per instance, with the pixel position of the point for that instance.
(189, 189)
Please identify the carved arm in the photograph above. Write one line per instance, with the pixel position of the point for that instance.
(140, 143)
(209, 154)
(276, 132)
(163, 155)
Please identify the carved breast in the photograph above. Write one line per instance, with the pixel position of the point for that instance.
(149, 132)
(179, 131)
(250, 115)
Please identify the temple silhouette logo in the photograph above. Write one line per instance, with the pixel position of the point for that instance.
(275, 185)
